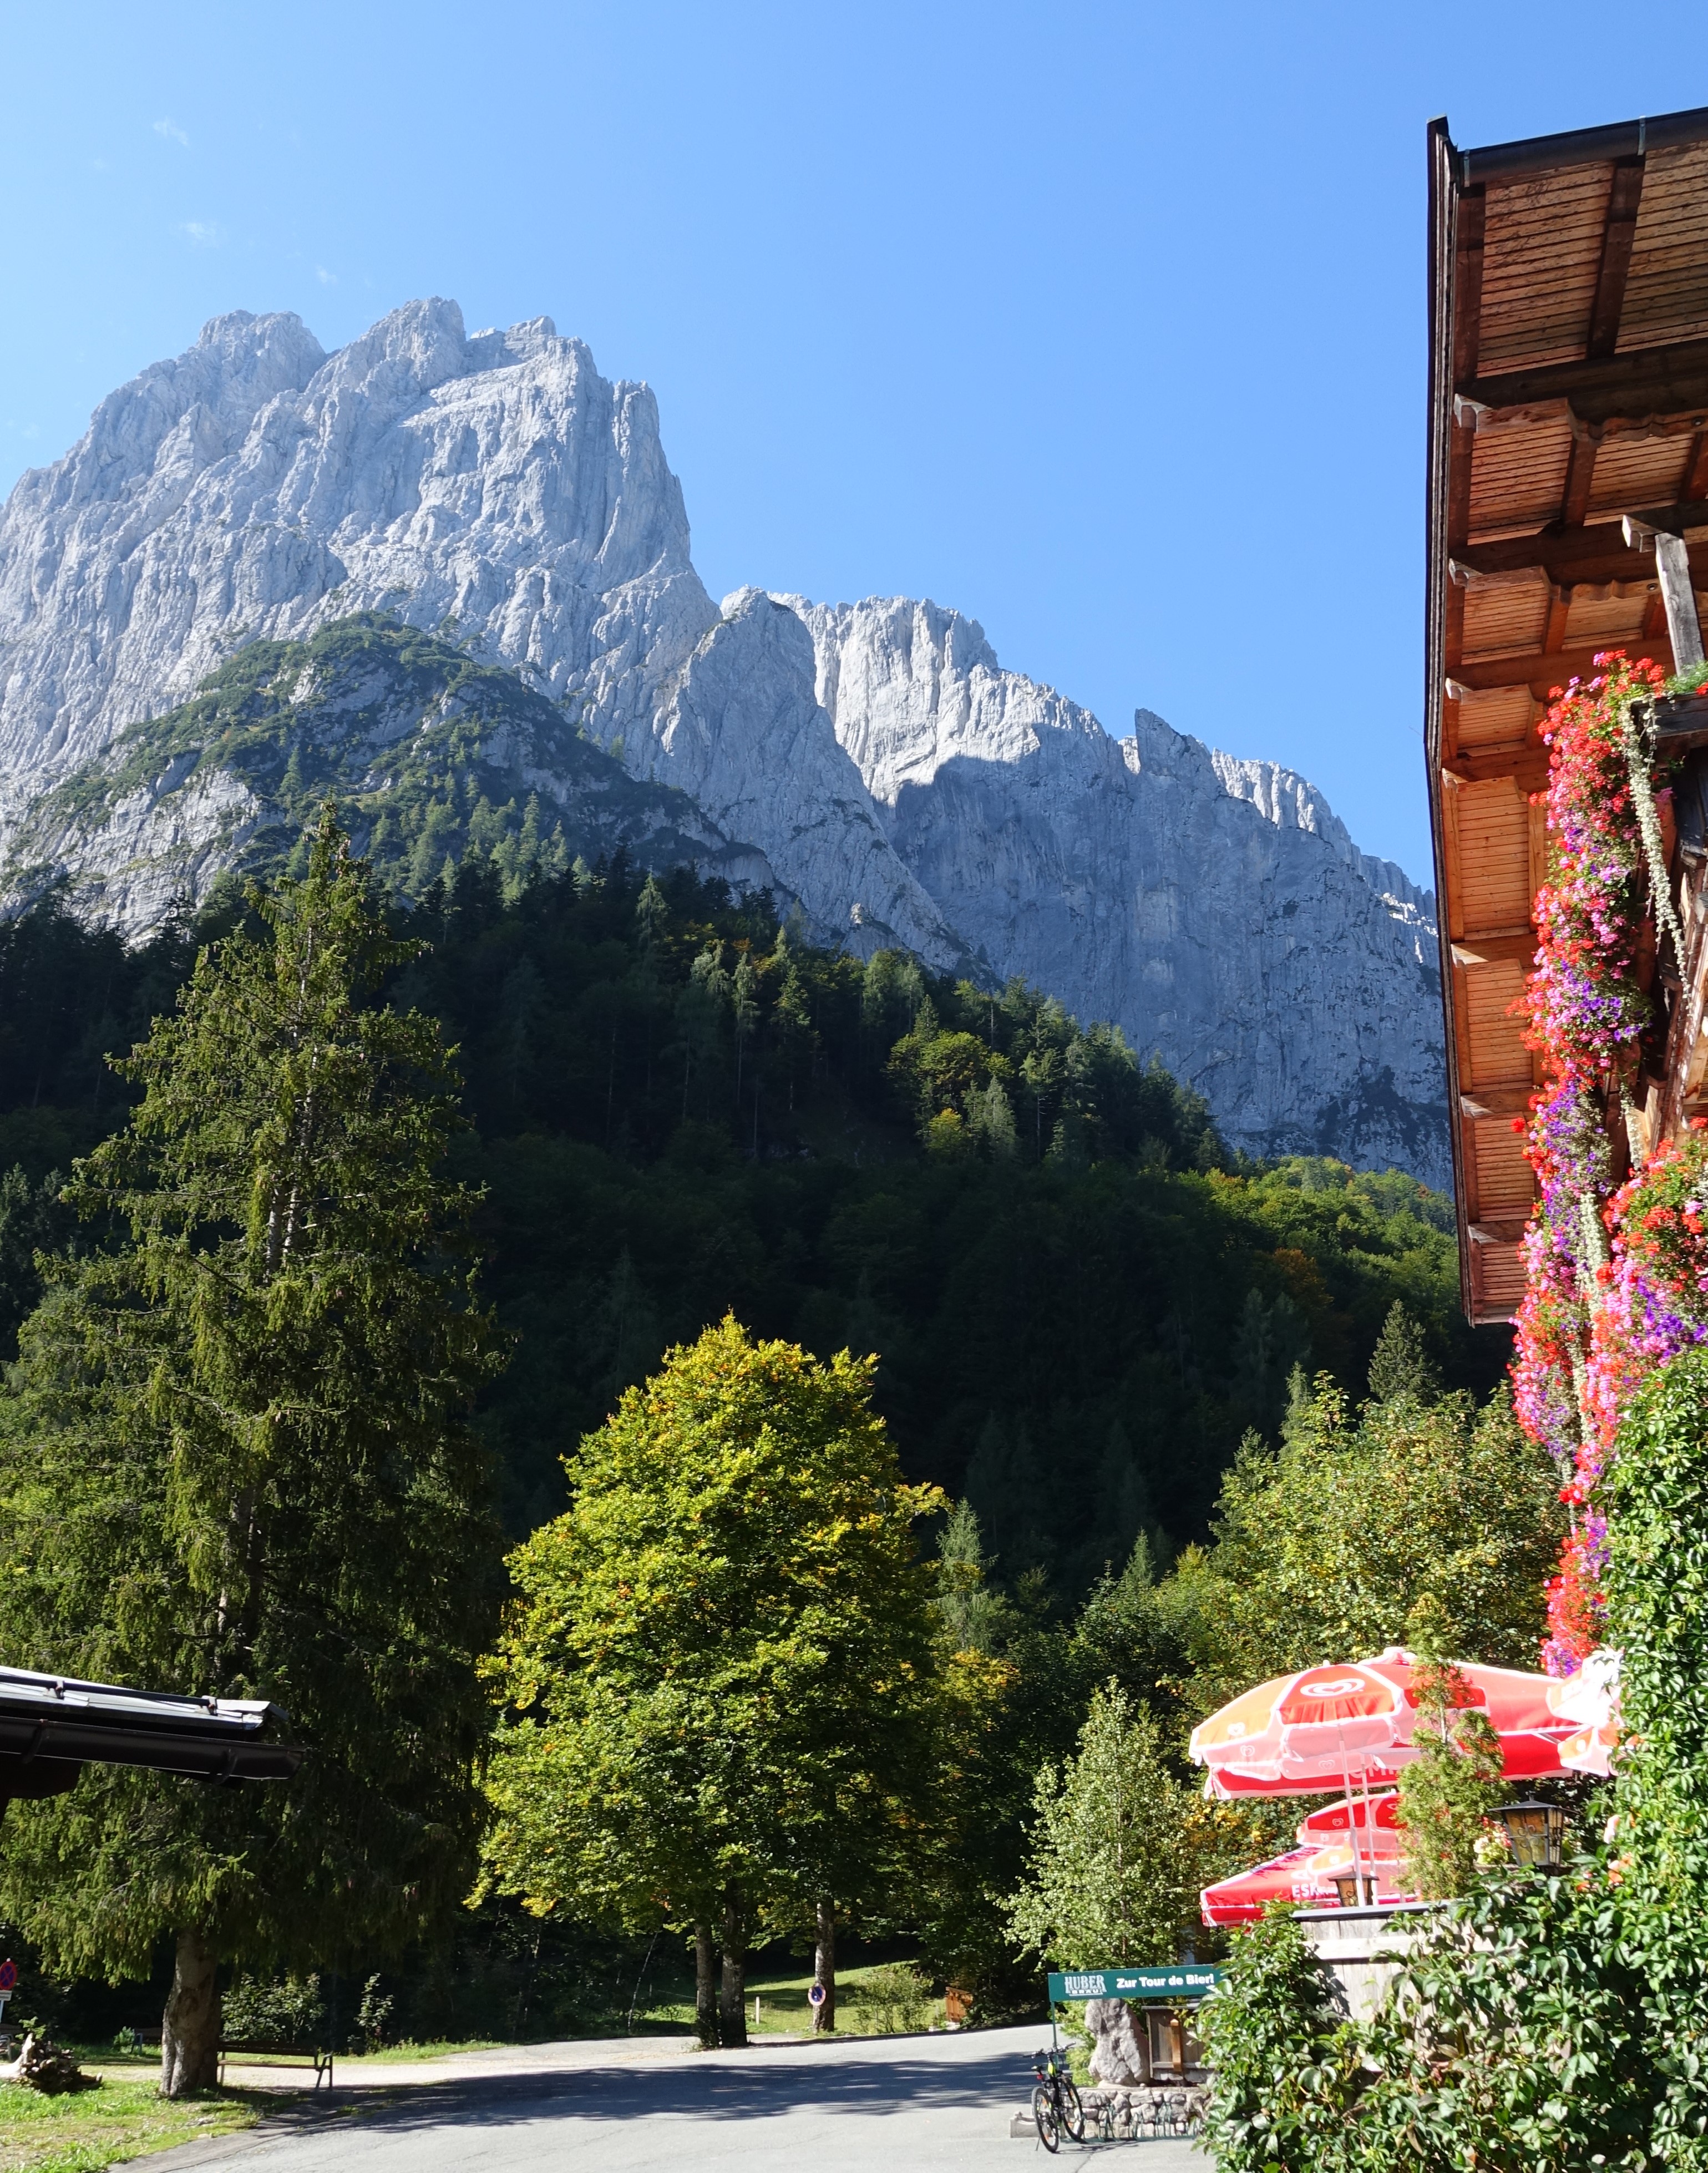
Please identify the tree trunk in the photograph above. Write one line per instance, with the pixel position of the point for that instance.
(824, 1966)
(732, 1992)
(190, 2028)
(706, 1987)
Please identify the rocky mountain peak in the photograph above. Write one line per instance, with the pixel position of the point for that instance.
(875, 758)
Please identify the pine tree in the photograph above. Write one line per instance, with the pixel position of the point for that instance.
(1401, 1365)
(236, 1460)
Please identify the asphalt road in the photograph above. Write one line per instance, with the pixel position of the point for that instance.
(910, 2105)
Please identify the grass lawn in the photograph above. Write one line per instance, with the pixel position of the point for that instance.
(82, 2132)
(785, 2010)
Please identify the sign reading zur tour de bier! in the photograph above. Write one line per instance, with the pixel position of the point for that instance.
(1178, 1981)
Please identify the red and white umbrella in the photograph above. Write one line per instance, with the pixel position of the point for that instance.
(1374, 1819)
(1306, 1733)
(1311, 1872)
(1588, 1704)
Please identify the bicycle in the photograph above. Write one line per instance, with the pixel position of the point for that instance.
(1055, 2103)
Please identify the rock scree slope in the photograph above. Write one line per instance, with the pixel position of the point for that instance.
(872, 761)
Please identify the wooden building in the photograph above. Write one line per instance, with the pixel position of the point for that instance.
(1568, 513)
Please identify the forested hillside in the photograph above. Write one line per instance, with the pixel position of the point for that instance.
(1079, 1299)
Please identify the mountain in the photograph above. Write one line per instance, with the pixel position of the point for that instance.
(873, 762)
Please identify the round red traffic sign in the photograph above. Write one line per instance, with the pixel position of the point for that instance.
(9, 1976)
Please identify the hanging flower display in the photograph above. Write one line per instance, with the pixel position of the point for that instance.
(1590, 1321)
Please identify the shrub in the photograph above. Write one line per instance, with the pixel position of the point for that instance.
(894, 1999)
(1281, 2053)
(291, 2012)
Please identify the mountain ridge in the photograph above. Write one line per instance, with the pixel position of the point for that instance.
(885, 770)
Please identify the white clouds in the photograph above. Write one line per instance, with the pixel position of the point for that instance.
(326, 278)
(170, 129)
(203, 232)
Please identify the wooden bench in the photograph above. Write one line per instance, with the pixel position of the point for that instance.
(252, 2052)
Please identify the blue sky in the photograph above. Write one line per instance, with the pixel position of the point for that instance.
(1103, 324)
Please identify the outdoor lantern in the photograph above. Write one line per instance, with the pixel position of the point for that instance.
(1536, 1833)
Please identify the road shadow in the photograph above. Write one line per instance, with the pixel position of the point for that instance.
(711, 2092)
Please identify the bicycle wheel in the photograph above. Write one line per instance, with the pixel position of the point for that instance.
(1044, 2111)
(1073, 2112)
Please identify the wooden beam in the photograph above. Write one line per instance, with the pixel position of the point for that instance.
(1495, 1101)
(1623, 200)
(1559, 613)
(1696, 474)
(1498, 1230)
(1470, 950)
(1579, 474)
(1597, 554)
(1659, 381)
(1683, 627)
(1540, 673)
(1526, 766)
(1468, 282)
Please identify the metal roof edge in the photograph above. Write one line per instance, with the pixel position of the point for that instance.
(1444, 184)
(1618, 139)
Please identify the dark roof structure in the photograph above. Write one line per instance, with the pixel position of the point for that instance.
(51, 1726)
(1568, 513)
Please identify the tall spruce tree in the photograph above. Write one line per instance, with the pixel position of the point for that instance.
(236, 1458)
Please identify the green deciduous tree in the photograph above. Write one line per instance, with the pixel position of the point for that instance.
(1326, 1546)
(1119, 1848)
(719, 1668)
(234, 1459)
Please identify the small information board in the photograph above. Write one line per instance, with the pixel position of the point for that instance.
(1178, 1981)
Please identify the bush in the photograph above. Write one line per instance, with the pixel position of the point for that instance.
(1281, 2053)
(292, 2012)
(892, 2000)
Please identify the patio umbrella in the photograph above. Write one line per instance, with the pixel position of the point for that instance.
(1310, 1873)
(1307, 1733)
(1374, 1819)
(1588, 1702)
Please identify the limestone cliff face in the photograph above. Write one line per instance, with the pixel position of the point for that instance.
(1214, 908)
(874, 758)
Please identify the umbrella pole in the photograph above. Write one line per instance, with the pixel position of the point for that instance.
(1352, 1827)
(1369, 1826)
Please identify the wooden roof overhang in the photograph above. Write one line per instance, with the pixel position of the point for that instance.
(1568, 513)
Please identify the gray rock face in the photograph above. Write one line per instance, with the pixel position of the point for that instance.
(1214, 908)
(896, 781)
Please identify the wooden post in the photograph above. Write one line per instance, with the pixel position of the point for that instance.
(1677, 593)
(1672, 562)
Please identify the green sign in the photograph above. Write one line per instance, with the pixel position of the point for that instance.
(1177, 1980)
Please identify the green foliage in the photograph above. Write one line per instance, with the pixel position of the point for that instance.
(1119, 1848)
(1657, 1583)
(235, 1457)
(290, 2011)
(32, 1221)
(1447, 1792)
(719, 1665)
(1401, 1365)
(1276, 2046)
(1360, 1524)
(432, 756)
(974, 1614)
(1548, 2022)
(892, 2000)
(1084, 1311)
